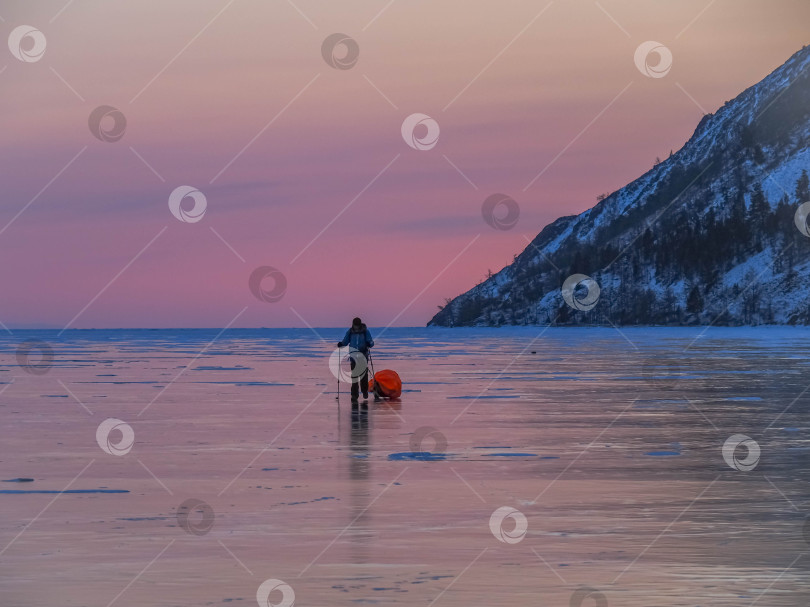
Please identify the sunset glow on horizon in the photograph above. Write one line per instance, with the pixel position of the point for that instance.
(303, 167)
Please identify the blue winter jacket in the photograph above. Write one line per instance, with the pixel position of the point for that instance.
(358, 340)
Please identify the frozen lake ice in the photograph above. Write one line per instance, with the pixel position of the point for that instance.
(522, 466)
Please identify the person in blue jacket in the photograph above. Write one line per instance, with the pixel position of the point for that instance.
(358, 337)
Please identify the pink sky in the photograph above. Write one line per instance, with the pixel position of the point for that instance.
(528, 87)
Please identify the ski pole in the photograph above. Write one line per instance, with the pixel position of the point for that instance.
(371, 362)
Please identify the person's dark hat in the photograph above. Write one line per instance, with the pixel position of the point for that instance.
(357, 322)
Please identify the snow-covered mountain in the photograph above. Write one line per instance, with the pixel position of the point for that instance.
(708, 236)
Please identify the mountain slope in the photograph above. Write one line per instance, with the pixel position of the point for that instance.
(706, 236)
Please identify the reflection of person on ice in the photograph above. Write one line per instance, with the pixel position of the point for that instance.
(358, 338)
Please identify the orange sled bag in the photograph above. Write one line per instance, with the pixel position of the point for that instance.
(386, 383)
